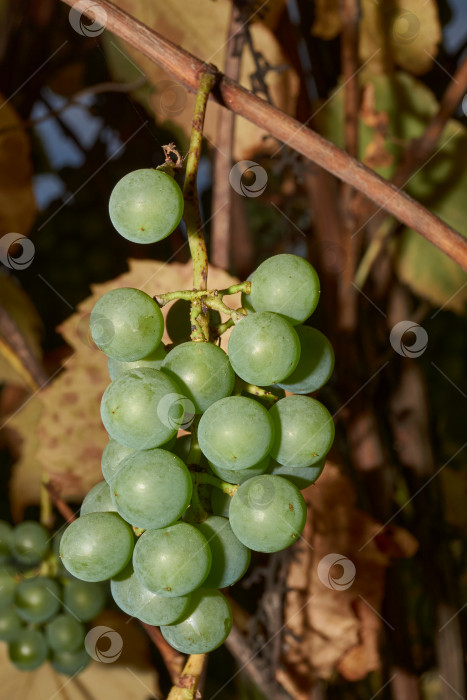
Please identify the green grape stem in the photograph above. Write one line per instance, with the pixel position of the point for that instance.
(259, 391)
(204, 478)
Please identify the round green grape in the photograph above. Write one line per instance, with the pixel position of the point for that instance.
(10, 624)
(70, 663)
(29, 542)
(152, 489)
(96, 546)
(28, 650)
(112, 456)
(6, 532)
(206, 625)
(7, 585)
(177, 321)
(267, 513)
(238, 476)
(153, 361)
(136, 600)
(98, 500)
(172, 561)
(235, 433)
(315, 365)
(126, 324)
(264, 348)
(143, 408)
(220, 503)
(146, 205)
(300, 476)
(230, 558)
(287, 285)
(304, 431)
(65, 633)
(37, 599)
(203, 372)
(84, 600)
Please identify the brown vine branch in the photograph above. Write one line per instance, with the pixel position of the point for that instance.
(173, 659)
(187, 685)
(62, 507)
(186, 68)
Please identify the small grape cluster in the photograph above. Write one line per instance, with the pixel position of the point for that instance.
(176, 518)
(42, 609)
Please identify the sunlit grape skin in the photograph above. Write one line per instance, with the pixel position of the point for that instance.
(126, 324)
(206, 625)
(267, 513)
(315, 365)
(203, 372)
(235, 433)
(96, 546)
(146, 205)
(98, 500)
(172, 561)
(134, 410)
(153, 361)
(152, 488)
(303, 431)
(264, 348)
(287, 285)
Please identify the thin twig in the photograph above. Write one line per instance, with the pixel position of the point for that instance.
(186, 68)
(63, 507)
(173, 659)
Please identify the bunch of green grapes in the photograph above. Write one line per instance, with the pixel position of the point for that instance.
(42, 609)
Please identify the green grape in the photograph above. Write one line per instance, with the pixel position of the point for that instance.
(300, 476)
(70, 663)
(37, 599)
(84, 600)
(98, 500)
(7, 585)
(10, 624)
(304, 431)
(287, 285)
(315, 364)
(6, 532)
(152, 489)
(153, 361)
(230, 558)
(126, 324)
(267, 513)
(28, 650)
(177, 321)
(143, 408)
(264, 348)
(96, 546)
(203, 372)
(146, 205)
(220, 503)
(29, 542)
(65, 633)
(136, 600)
(206, 625)
(182, 446)
(112, 456)
(235, 433)
(238, 476)
(172, 561)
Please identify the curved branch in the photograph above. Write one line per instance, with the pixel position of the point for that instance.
(186, 68)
